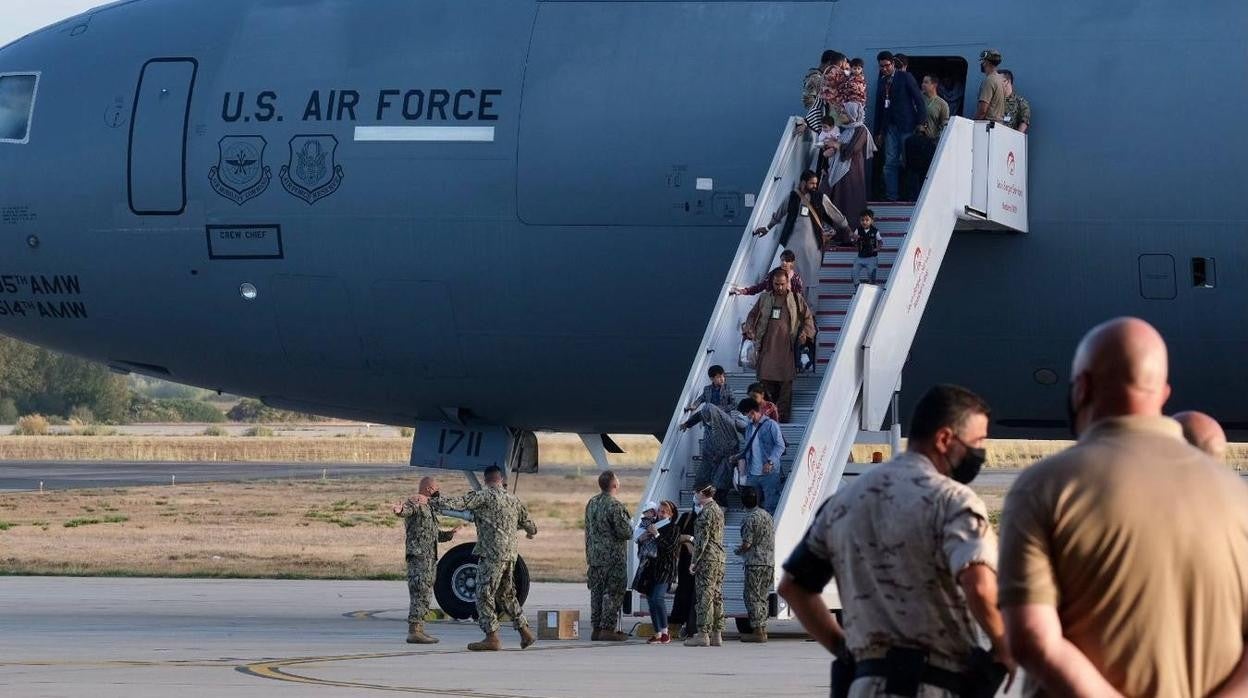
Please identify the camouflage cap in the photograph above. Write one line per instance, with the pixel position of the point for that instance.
(991, 55)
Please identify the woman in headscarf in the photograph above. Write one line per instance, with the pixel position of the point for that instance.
(720, 441)
(847, 173)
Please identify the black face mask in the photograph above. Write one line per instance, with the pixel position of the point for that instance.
(435, 494)
(968, 468)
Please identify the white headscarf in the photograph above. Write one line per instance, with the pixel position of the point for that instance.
(838, 168)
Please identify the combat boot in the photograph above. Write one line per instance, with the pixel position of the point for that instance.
(611, 636)
(596, 635)
(759, 635)
(717, 639)
(491, 643)
(698, 640)
(526, 637)
(416, 635)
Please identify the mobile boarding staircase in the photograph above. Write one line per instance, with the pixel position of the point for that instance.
(978, 174)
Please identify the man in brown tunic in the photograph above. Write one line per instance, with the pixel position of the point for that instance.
(780, 321)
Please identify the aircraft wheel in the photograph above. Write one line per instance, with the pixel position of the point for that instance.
(456, 585)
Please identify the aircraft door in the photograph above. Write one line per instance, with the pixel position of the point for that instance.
(157, 162)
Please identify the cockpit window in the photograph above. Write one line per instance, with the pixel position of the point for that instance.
(17, 105)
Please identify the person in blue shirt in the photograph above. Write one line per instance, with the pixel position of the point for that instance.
(899, 108)
(760, 461)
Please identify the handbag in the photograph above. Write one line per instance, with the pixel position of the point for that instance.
(749, 354)
(643, 582)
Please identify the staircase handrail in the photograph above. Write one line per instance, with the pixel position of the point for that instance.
(753, 257)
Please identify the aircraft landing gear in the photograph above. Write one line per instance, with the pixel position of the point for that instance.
(455, 587)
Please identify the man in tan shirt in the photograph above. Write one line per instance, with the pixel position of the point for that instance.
(1203, 432)
(1124, 559)
(992, 93)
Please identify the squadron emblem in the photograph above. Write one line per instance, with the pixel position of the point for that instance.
(312, 172)
(240, 174)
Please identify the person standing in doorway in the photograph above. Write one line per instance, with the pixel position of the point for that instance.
(992, 93)
(1017, 108)
(898, 109)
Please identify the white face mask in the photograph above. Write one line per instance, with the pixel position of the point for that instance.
(697, 507)
(847, 73)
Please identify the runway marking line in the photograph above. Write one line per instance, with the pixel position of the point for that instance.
(275, 670)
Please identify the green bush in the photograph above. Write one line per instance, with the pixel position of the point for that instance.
(31, 425)
(143, 409)
(258, 431)
(252, 411)
(406, 432)
(8, 411)
(215, 430)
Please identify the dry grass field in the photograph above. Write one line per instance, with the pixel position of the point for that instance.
(554, 448)
(320, 529)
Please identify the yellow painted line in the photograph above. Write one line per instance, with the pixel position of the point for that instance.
(276, 670)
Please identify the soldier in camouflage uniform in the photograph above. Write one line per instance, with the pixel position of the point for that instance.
(423, 536)
(758, 552)
(707, 565)
(608, 528)
(497, 515)
(1017, 108)
(914, 558)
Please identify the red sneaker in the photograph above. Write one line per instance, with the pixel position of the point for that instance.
(665, 639)
(656, 640)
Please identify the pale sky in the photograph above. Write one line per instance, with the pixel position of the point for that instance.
(21, 17)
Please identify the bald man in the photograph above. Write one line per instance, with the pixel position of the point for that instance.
(1203, 432)
(1124, 559)
(420, 520)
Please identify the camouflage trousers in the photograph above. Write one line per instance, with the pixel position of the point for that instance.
(496, 593)
(606, 595)
(758, 580)
(420, 576)
(708, 584)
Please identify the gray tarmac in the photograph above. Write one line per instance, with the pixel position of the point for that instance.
(163, 637)
(27, 476)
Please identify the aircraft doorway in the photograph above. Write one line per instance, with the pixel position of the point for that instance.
(951, 72)
(157, 162)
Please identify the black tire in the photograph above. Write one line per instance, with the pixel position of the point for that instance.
(456, 583)
(744, 626)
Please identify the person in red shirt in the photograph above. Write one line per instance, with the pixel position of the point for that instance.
(765, 406)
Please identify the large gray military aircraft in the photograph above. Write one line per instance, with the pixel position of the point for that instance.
(490, 217)
(485, 211)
